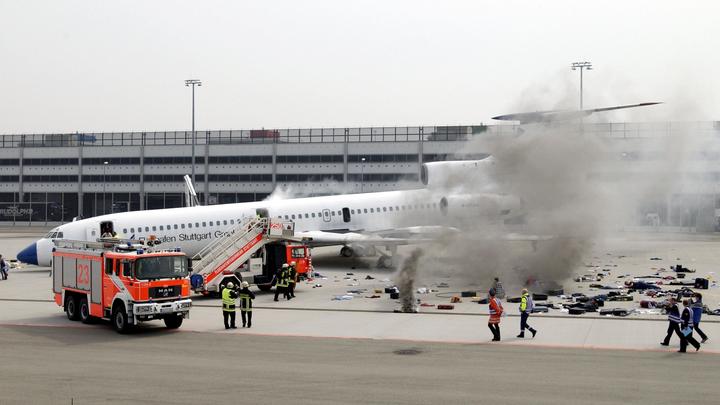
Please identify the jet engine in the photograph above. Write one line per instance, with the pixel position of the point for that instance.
(469, 173)
(488, 205)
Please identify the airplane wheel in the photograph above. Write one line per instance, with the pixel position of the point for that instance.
(384, 262)
(346, 252)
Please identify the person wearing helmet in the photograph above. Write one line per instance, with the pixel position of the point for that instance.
(292, 279)
(281, 281)
(496, 310)
(229, 295)
(246, 298)
(526, 308)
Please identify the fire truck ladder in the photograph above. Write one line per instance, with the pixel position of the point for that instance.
(223, 254)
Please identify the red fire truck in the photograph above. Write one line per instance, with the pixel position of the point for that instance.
(125, 282)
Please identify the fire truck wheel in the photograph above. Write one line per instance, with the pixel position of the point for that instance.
(173, 321)
(119, 319)
(71, 308)
(85, 311)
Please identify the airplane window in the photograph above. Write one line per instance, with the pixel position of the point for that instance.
(306, 215)
(384, 209)
(197, 224)
(352, 212)
(147, 229)
(365, 210)
(167, 227)
(132, 230)
(182, 226)
(225, 222)
(154, 228)
(124, 230)
(313, 215)
(339, 212)
(204, 224)
(372, 210)
(397, 208)
(211, 223)
(162, 228)
(390, 208)
(175, 226)
(292, 216)
(189, 225)
(319, 214)
(333, 213)
(286, 217)
(232, 222)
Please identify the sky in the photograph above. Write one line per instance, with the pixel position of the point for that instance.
(100, 66)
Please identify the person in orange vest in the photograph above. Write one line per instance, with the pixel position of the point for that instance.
(496, 311)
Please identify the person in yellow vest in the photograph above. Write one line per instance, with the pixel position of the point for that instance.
(246, 298)
(229, 295)
(281, 282)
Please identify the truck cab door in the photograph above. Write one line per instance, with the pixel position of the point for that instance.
(108, 286)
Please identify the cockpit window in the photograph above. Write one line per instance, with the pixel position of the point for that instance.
(54, 234)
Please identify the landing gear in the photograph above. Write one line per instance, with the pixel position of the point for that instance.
(385, 262)
(346, 252)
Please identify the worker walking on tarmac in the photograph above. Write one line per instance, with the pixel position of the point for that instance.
(673, 322)
(292, 279)
(496, 310)
(697, 315)
(526, 307)
(687, 328)
(229, 295)
(281, 282)
(246, 298)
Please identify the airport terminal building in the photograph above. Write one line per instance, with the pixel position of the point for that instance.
(52, 178)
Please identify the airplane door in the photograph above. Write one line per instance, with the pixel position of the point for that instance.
(326, 215)
(262, 212)
(346, 214)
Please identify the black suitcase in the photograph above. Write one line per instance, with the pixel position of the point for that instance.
(576, 311)
(394, 295)
(702, 283)
(540, 297)
(556, 292)
(468, 294)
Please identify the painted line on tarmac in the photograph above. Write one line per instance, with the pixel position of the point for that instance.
(460, 342)
(377, 311)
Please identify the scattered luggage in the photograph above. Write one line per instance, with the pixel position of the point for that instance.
(702, 283)
(540, 309)
(556, 292)
(468, 293)
(576, 311)
(539, 297)
(515, 300)
(394, 295)
(445, 306)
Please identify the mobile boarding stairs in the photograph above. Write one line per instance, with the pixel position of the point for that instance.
(214, 265)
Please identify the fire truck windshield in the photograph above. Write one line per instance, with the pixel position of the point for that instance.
(149, 268)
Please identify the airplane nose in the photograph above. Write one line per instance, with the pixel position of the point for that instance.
(28, 255)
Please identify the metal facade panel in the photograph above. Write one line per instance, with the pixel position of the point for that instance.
(96, 296)
(69, 274)
(57, 275)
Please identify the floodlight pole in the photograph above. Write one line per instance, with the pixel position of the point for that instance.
(192, 83)
(581, 66)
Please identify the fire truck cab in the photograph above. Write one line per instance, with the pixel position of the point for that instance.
(121, 281)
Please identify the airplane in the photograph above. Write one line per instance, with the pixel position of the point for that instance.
(357, 222)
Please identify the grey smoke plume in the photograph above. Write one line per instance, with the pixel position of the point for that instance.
(406, 280)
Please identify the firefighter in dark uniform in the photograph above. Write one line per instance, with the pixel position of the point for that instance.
(229, 295)
(281, 282)
(246, 298)
(292, 279)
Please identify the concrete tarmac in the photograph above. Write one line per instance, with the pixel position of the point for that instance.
(78, 365)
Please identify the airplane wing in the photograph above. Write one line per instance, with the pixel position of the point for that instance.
(561, 115)
(389, 237)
